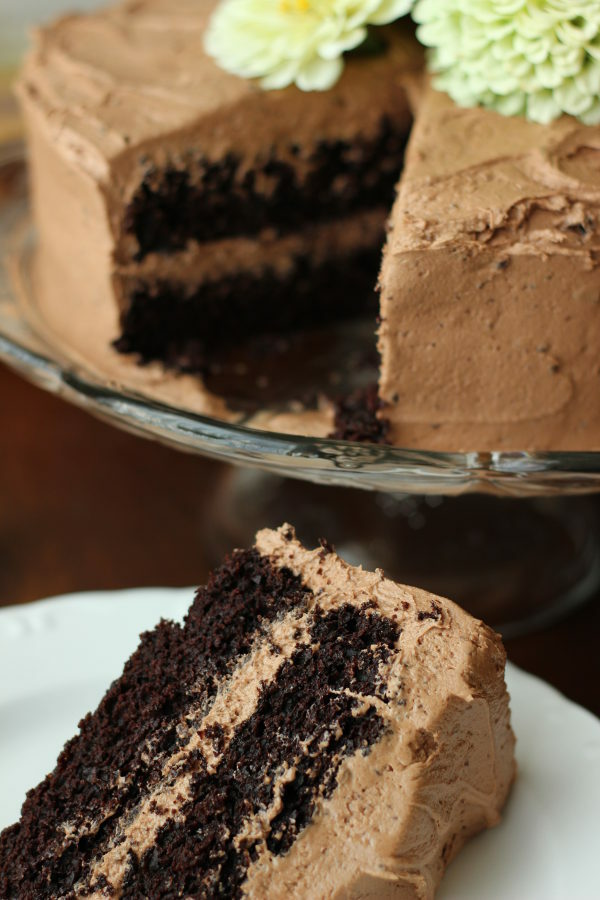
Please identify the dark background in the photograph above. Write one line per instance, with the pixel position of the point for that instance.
(86, 506)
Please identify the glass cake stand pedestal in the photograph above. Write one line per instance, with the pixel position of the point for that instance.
(511, 536)
(520, 564)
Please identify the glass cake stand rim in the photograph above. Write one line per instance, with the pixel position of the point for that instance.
(368, 466)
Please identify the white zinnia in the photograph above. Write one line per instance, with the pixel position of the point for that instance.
(539, 58)
(287, 41)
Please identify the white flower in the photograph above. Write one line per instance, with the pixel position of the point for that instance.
(539, 58)
(287, 41)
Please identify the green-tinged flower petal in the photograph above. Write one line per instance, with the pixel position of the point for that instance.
(548, 76)
(389, 11)
(592, 116)
(588, 81)
(335, 48)
(540, 58)
(543, 107)
(511, 104)
(280, 77)
(572, 100)
(300, 42)
(319, 74)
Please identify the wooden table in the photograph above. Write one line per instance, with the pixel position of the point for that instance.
(86, 506)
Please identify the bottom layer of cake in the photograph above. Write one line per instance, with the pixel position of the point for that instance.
(185, 326)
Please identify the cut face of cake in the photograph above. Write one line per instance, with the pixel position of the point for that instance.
(182, 208)
(311, 730)
(490, 286)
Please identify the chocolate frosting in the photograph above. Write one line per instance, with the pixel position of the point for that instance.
(490, 284)
(441, 772)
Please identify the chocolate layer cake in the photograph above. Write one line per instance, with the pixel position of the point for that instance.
(182, 208)
(311, 730)
(490, 286)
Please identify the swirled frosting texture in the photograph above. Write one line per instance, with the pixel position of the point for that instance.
(490, 284)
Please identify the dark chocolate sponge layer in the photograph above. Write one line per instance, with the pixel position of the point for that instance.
(207, 200)
(183, 327)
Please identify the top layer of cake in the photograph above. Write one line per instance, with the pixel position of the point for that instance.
(490, 289)
(184, 152)
(312, 730)
(136, 74)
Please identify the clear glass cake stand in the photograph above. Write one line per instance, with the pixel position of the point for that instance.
(511, 536)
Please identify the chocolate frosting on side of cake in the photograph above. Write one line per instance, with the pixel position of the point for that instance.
(490, 285)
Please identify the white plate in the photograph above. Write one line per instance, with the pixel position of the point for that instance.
(58, 656)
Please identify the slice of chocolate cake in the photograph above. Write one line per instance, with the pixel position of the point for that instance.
(311, 730)
(181, 208)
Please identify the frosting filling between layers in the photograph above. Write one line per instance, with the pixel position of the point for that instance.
(277, 762)
(267, 250)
